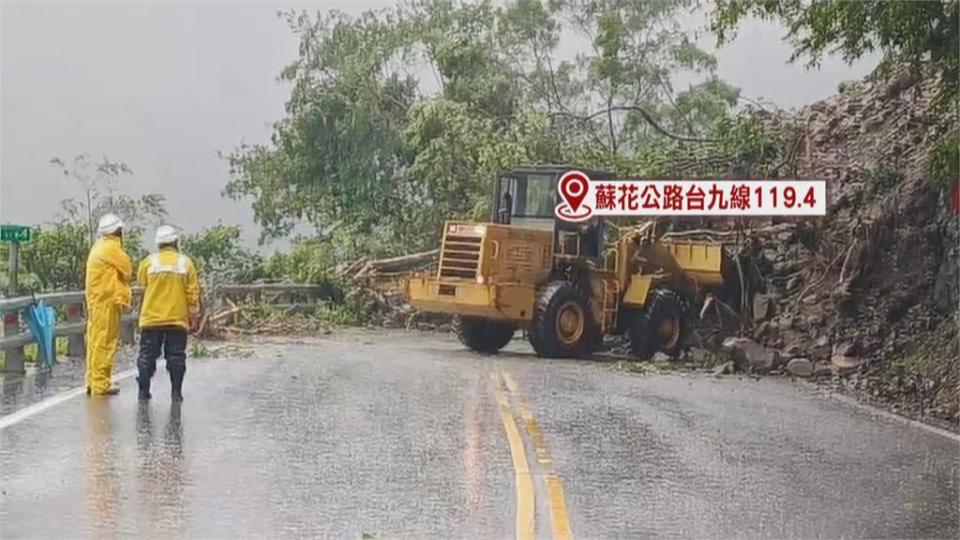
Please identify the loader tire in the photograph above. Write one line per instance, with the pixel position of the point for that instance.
(562, 325)
(597, 344)
(661, 326)
(483, 335)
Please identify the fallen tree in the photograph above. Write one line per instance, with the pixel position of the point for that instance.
(365, 268)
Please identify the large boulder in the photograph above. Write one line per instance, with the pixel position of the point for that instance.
(821, 349)
(748, 355)
(845, 365)
(822, 369)
(763, 307)
(800, 367)
(846, 348)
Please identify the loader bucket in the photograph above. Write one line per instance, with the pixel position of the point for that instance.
(702, 261)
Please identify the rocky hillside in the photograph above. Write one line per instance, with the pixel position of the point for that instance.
(872, 291)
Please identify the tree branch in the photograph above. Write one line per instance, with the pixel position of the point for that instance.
(663, 85)
(646, 116)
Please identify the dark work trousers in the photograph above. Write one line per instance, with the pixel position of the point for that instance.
(173, 341)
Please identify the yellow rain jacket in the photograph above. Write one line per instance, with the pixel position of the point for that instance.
(107, 290)
(171, 289)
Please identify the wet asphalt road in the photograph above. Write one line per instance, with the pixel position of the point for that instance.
(407, 435)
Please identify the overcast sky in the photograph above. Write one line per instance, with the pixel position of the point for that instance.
(164, 85)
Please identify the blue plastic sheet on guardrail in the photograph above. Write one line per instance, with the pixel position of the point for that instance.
(42, 321)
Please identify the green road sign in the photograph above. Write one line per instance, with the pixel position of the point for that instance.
(17, 234)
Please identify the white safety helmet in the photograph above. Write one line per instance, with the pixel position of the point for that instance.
(109, 224)
(166, 234)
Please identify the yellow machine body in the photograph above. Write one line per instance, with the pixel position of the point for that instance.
(494, 271)
(486, 270)
(642, 263)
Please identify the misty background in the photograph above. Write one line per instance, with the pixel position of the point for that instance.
(165, 85)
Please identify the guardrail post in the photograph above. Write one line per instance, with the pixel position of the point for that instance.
(13, 358)
(127, 332)
(76, 343)
(128, 327)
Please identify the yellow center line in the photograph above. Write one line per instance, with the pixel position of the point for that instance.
(559, 519)
(521, 468)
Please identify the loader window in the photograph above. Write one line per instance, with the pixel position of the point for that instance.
(534, 195)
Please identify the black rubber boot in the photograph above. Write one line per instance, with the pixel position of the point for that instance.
(143, 381)
(176, 383)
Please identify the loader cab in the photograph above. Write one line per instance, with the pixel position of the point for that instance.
(527, 197)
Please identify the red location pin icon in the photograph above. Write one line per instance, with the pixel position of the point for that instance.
(573, 188)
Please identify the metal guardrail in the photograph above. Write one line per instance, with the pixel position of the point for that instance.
(53, 299)
(13, 339)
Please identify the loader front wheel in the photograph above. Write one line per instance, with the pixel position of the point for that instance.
(562, 325)
(483, 335)
(661, 326)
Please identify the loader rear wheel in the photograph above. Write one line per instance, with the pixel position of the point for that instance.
(661, 326)
(483, 335)
(562, 325)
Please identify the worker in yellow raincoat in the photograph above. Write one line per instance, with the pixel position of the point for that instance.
(108, 292)
(171, 308)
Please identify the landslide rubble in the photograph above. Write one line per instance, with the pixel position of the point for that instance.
(870, 294)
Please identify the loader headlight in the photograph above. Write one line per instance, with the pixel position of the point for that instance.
(481, 280)
(480, 230)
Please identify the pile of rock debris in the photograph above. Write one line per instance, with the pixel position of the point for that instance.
(872, 291)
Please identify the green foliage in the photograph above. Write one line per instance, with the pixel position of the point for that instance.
(334, 156)
(340, 314)
(220, 256)
(332, 313)
(882, 180)
(31, 352)
(375, 161)
(637, 48)
(199, 350)
(945, 163)
(307, 262)
(935, 360)
(701, 105)
(744, 134)
(739, 139)
(457, 154)
(56, 258)
(916, 31)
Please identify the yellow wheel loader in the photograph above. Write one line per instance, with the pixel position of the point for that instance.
(566, 284)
